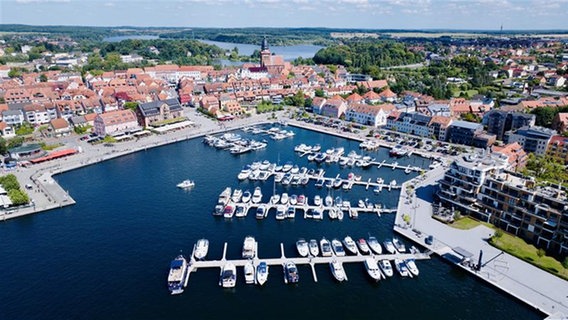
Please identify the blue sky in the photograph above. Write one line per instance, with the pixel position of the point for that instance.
(370, 14)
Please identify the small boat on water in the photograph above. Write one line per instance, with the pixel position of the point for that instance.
(260, 212)
(225, 196)
(386, 267)
(333, 213)
(328, 201)
(178, 275)
(313, 246)
(317, 200)
(280, 213)
(284, 198)
(411, 265)
(219, 209)
(337, 248)
(373, 269)
(257, 195)
(291, 272)
(302, 247)
(287, 167)
(228, 276)
(244, 174)
(185, 184)
(261, 273)
(401, 267)
(325, 247)
(301, 200)
(249, 248)
(317, 214)
(246, 196)
(237, 195)
(291, 213)
(240, 211)
(374, 245)
(399, 245)
(229, 211)
(350, 245)
(293, 199)
(337, 270)
(201, 249)
(389, 246)
(363, 247)
(337, 182)
(249, 272)
(275, 199)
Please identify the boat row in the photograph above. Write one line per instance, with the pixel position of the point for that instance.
(338, 248)
(234, 143)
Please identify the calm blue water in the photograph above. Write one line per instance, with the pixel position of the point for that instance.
(288, 52)
(132, 37)
(107, 257)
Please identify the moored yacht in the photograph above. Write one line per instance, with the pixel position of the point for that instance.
(314, 249)
(411, 265)
(374, 245)
(237, 195)
(178, 275)
(386, 267)
(317, 200)
(389, 246)
(302, 247)
(260, 212)
(185, 184)
(398, 245)
(337, 270)
(280, 213)
(261, 273)
(291, 213)
(249, 248)
(240, 211)
(373, 269)
(325, 247)
(229, 211)
(249, 272)
(201, 249)
(401, 267)
(363, 247)
(228, 276)
(225, 196)
(291, 272)
(246, 196)
(257, 195)
(350, 245)
(284, 198)
(337, 248)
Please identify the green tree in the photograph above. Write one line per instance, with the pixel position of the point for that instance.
(42, 78)
(3, 146)
(565, 263)
(131, 105)
(9, 182)
(18, 197)
(25, 129)
(319, 93)
(15, 142)
(540, 253)
(15, 72)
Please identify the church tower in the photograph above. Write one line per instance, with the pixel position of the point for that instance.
(265, 59)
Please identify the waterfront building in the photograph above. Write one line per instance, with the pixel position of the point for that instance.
(116, 123)
(438, 127)
(59, 127)
(412, 123)
(463, 132)
(479, 185)
(37, 114)
(27, 152)
(498, 121)
(334, 107)
(157, 111)
(532, 139)
(367, 114)
(6, 131)
(515, 153)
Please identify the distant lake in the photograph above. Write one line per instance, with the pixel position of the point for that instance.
(132, 37)
(288, 52)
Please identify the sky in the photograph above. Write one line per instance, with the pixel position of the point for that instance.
(366, 14)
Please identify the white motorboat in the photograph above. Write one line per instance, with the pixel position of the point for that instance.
(332, 213)
(249, 272)
(225, 196)
(295, 169)
(350, 245)
(240, 211)
(261, 273)
(325, 247)
(337, 270)
(291, 272)
(328, 201)
(399, 245)
(256, 195)
(386, 267)
(237, 195)
(301, 200)
(361, 204)
(293, 199)
(228, 276)
(318, 214)
(185, 184)
(291, 213)
(302, 247)
(284, 198)
(313, 246)
(249, 247)
(246, 197)
(317, 200)
(178, 275)
(389, 246)
(201, 249)
(287, 167)
(275, 199)
(374, 245)
(280, 213)
(363, 247)
(411, 265)
(260, 212)
(373, 269)
(401, 267)
(337, 248)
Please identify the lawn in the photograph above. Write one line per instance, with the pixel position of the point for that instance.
(527, 252)
(469, 93)
(466, 223)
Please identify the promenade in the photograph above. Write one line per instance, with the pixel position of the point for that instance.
(537, 288)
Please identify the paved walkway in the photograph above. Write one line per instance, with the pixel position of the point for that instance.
(538, 288)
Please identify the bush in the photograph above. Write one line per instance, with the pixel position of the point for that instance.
(9, 182)
(18, 197)
(498, 233)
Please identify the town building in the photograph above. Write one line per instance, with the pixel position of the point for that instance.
(157, 111)
(558, 148)
(560, 122)
(366, 114)
(59, 127)
(517, 157)
(412, 123)
(498, 121)
(116, 123)
(532, 139)
(463, 132)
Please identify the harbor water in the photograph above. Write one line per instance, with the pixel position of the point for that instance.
(107, 257)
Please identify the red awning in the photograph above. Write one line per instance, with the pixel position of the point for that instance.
(55, 155)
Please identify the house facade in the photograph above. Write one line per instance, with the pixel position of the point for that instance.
(156, 111)
(115, 123)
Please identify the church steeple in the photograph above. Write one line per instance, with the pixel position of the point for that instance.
(264, 45)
